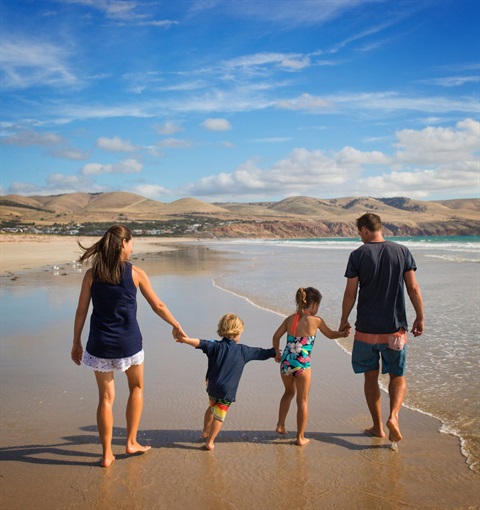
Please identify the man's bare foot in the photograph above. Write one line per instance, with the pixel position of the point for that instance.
(132, 448)
(107, 462)
(374, 432)
(302, 441)
(395, 435)
(281, 430)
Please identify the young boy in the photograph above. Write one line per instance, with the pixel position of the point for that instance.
(226, 360)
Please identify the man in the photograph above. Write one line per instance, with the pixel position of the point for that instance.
(381, 268)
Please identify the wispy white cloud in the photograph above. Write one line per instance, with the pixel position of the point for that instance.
(174, 143)
(305, 102)
(26, 63)
(116, 144)
(216, 124)
(27, 137)
(127, 166)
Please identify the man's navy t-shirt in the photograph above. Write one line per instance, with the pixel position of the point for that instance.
(380, 268)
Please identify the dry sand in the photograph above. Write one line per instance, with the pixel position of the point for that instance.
(49, 445)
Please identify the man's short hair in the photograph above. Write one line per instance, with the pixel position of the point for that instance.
(370, 221)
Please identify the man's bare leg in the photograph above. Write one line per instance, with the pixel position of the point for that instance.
(373, 398)
(397, 389)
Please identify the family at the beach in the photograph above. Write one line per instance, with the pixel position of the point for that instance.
(378, 271)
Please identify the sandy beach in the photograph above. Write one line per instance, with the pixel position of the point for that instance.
(49, 448)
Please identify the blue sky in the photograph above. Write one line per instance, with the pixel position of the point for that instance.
(241, 100)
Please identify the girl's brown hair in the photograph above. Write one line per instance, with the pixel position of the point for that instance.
(305, 297)
(106, 254)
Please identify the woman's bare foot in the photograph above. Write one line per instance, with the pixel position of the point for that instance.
(302, 441)
(395, 435)
(281, 430)
(374, 432)
(107, 461)
(132, 448)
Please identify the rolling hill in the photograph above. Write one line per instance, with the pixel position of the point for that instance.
(292, 217)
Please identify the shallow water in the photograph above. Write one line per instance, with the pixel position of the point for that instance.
(443, 364)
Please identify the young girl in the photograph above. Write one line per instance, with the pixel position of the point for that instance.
(115, 341)
(295, 360)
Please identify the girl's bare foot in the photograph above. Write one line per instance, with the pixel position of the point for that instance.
(395, 435)
(281, 430)
(302, 441)
(204, 435)
(132, 448)
(107, 461)
(374, 432)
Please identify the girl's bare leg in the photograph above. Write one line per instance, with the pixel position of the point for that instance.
(302, 383)
(134, 409)
(215, 427)
(106, 397)
(207, 422)
(285, 401)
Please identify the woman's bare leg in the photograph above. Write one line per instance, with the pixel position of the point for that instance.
(134, 409)
(302, 382)
(106, 397)
(285, 401)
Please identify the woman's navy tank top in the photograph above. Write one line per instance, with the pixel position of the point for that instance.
(114, 330)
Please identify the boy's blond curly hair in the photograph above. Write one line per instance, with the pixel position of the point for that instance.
(229, 326)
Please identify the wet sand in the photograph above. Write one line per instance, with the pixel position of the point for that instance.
(50, 453)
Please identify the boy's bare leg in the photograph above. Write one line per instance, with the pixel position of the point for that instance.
(106, 397)
(215, 427)
(396, 389)
(207, 421)
(373, 398)
(134, 409)
(285, 401)
(302, 382)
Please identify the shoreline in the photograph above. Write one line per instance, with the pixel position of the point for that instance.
(340, 467)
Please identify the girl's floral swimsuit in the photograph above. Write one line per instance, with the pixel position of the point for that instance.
(296, 356)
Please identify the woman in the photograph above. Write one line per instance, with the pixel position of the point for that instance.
(115, 340)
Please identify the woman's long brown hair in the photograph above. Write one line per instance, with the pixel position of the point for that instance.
(106, 254)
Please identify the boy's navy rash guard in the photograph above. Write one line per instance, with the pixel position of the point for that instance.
(226, 360)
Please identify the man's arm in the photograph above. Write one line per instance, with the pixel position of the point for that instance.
(413, 290)
(349, 298)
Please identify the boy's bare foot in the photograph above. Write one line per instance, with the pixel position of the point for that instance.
(302, 441)
(395, 435)
(281, 430)
(107, 462)
(132, 448)
(374, 432)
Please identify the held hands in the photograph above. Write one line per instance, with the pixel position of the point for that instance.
(180, 336)
(278, 356)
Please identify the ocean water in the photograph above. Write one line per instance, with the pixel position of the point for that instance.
(443, 365)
